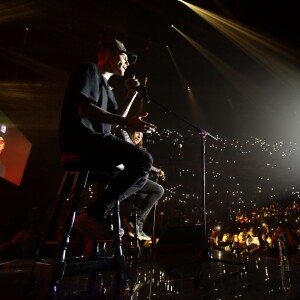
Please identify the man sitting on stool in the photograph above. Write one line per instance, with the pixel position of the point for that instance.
(88, 111)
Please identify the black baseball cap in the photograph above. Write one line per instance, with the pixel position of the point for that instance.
(111, 43)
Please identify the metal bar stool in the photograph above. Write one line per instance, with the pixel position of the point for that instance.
(53, 269)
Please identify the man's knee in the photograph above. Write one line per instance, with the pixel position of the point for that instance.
(160, 190)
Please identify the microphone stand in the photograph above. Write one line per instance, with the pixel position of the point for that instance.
(154, 220)
(204, 134)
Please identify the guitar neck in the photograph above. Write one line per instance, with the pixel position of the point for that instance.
(126, 136)
(155, 169)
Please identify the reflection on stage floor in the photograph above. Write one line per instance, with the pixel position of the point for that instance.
(164, 276)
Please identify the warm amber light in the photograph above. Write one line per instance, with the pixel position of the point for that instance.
(260, 47)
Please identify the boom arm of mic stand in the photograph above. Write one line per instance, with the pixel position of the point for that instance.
(199, 130)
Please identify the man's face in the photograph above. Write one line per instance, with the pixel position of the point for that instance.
(119, 62)
(2, 144)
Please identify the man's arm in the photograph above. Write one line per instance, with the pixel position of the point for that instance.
(130, 84)
(95, 113)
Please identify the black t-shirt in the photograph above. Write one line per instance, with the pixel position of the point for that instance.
(85, 84)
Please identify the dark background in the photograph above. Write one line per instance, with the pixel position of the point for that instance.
(43, 41)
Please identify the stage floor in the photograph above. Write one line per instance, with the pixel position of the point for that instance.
(164, 276)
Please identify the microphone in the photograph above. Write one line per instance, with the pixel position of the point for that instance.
(179, 147)
(142, 91)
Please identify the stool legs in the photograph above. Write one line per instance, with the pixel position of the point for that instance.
(136, 235)
(118, 243)
(53, 270)
(117, 226)
(63, 193)
(77, 188)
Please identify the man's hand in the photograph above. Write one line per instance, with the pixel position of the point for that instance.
(131, 83)
(136, 123)
(161, 174)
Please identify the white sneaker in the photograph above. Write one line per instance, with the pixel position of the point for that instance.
(93, 228)
(132, 232)
(143, 236)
